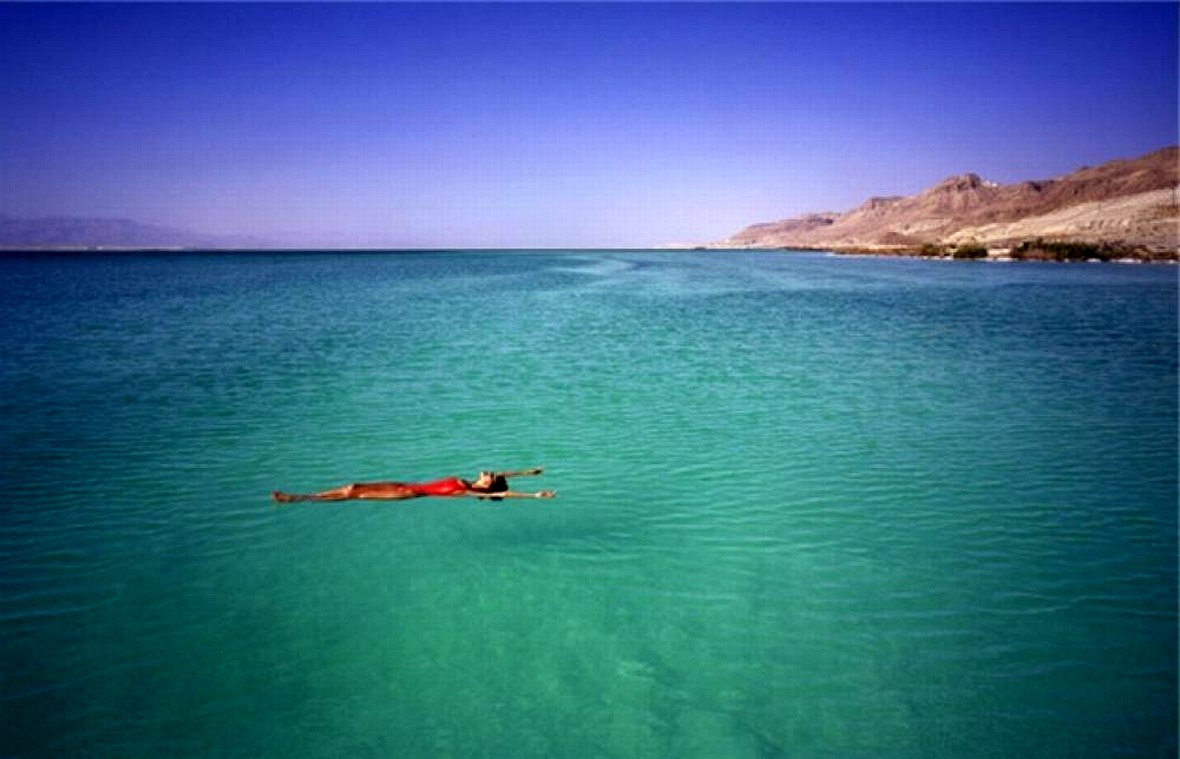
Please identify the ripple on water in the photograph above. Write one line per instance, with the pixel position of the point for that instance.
(809, 506)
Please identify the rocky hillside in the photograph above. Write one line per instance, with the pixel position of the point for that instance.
(1129, 204)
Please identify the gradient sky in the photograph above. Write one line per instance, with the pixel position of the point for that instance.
(503, 125)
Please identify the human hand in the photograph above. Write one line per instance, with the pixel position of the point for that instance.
(546, 494)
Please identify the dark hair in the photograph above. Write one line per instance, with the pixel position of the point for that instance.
(499, 485)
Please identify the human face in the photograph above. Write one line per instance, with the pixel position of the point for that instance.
(485, 480)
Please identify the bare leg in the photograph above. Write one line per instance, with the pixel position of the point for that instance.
(384, 491)
(336, 494)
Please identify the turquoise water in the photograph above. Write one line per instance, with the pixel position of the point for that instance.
(808, 506)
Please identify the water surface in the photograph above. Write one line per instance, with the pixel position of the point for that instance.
(809, 506)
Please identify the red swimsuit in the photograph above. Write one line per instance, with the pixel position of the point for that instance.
(444, 487)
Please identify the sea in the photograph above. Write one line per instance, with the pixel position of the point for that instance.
(807, 506)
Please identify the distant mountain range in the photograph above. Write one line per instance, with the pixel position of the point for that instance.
(1129, 204)
(70, 233)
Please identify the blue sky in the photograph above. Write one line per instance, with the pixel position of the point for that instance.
(503, 125)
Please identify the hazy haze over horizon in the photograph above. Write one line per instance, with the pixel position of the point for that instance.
(502, 125)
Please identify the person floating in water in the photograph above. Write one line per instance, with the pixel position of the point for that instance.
(492, 485)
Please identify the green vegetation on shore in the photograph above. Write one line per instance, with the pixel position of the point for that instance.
(970, 251)
(965, 251)
(1041, 250)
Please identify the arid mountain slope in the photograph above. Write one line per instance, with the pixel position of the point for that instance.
(1128, 202)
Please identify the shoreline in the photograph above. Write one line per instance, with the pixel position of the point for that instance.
(989, 255)
(995, 255)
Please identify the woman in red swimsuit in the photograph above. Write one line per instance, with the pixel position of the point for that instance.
(488, 485)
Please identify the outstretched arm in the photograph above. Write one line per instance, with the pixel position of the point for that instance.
(526, 473)
(511, 494)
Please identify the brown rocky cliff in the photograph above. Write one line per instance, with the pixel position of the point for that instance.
(1122, 202)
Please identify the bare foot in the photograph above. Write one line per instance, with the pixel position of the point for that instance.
(282, 497)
